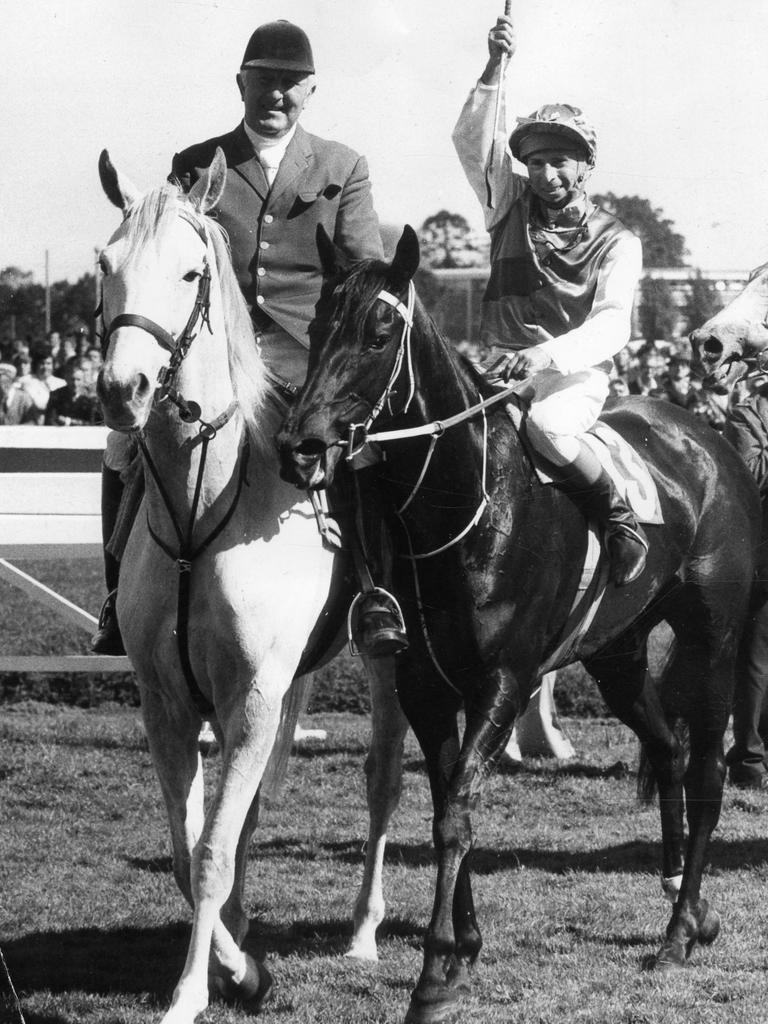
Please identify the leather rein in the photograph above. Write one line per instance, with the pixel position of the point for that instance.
(189, 412)
(359, 433)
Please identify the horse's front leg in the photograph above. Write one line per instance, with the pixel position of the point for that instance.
(248, 737)
(384, 769)
(453, 941)
(171, 731)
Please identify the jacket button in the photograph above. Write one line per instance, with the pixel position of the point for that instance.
(260, 300)
(261, 271)
(268, 218)
(263, 245)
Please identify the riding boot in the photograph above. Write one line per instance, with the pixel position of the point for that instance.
(107, 639)
(594, 492)
(376, 620)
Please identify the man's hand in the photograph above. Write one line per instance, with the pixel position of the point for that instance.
(525, 363)
(501, 39)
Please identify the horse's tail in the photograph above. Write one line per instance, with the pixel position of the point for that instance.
(294, 703)
(646, 779)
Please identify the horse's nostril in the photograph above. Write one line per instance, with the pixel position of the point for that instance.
(311, 447)
(711, 347)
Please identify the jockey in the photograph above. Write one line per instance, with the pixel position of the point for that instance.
(558, 303)
(282, 185)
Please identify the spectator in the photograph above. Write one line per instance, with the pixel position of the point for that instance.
(16, 406)
(23, 363)
(93, 355)
(72, 405)
(617, 388)
(41, 383)
(67, 351)
(747, 429)
(649, 379)
(678, 385)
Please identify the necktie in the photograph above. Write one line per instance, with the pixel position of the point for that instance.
(270, 162)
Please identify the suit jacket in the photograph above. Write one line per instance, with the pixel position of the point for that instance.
(272, 232)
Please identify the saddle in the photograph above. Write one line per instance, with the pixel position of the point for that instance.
(619, 459)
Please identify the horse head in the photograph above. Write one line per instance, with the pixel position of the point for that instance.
(358, 350)
(737, 335)
(155, 279)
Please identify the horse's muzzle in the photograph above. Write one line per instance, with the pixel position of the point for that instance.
(125, 404)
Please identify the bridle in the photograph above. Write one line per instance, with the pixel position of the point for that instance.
(178, 347)
(189, 412)
(358, 433)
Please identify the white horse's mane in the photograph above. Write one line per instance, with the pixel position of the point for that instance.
(145, 219)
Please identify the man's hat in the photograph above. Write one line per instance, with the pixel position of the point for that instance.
(550, 127)
(279, 44)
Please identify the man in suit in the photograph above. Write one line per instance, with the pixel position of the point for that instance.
(282, 184)
(747, 429)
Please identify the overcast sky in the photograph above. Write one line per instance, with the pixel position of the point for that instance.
(678, 90)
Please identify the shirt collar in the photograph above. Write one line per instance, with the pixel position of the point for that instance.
(276, 147)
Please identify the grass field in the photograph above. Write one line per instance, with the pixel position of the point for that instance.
(94, 930)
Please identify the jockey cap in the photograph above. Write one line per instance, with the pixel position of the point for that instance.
(553, 126)
(281, 45)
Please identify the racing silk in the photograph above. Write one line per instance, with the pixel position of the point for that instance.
(574, 298)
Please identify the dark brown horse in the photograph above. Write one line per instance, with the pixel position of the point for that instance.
(490, 563)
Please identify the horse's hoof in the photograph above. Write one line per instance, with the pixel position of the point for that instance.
(670, 957)
(433, 1011)
(709, 924)
(253, 992)
(459, 978)
(360, 949)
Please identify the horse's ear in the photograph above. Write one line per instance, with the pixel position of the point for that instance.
(406, 261)
(119, 190)
(332, 259)
(209, 187)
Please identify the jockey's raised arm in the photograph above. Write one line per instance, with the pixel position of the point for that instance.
(558, 304)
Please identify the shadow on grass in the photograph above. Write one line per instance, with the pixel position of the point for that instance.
(622, 858)
(149, 961)
(128, 960)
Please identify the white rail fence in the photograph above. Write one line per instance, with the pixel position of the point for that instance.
(50, 507)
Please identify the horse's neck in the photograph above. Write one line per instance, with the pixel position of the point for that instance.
(444, 387)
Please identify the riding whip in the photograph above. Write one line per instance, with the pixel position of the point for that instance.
(497, 113)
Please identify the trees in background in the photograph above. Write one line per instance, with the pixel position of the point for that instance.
(22, 305)
(448, 242)
(662, 245)
(703, 302)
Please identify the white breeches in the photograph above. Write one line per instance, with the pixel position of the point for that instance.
(561, 408)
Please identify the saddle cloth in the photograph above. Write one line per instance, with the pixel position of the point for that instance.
(617, 457)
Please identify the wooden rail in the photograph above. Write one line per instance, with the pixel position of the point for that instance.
(50, 507)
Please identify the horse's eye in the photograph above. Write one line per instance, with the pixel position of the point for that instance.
(191, 275)
(378, 342)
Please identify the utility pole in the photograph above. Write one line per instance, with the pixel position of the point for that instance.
(47, 296)
(96, 291)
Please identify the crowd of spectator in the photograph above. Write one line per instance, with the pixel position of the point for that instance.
(52, 383)
(55, 383)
